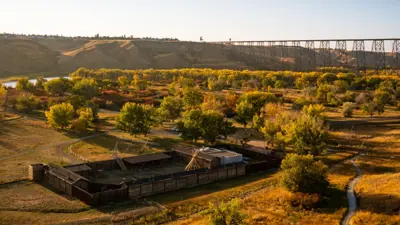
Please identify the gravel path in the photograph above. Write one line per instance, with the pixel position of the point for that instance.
(351, 196)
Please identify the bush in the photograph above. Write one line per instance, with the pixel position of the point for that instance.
(26, 103)
(24, 84)
(341, 86)
(314, 110)
(303, 200)
(349, 96)
(332, 99)
(301, 102)
(362, 98)
(347, 109)
(301, 173)
(226, 213)
(280, 84)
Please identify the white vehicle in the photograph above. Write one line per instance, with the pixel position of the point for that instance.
(175, 129)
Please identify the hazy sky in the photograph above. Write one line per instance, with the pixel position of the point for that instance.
(215, 20)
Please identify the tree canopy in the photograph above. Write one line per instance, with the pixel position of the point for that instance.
(301, 173)
(86, 88)
(136, 118)
(192, 97)
(60, 115)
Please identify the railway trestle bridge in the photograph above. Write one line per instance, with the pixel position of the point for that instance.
(304, 55)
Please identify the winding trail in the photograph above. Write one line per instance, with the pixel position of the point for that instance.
(350, 194)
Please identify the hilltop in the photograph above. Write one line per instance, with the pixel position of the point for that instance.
(26, 55)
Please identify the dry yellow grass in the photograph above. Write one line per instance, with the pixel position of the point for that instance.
(378, 189)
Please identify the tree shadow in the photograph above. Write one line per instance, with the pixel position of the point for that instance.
(375, 169)
(379, 203)
(332, 200)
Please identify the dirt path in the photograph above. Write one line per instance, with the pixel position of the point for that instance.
(351, 196)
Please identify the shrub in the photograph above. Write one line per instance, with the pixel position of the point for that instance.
(301, 173)
(301, 102)
(303, 200)
(24, 84)
(341, 86)
(349, 96)
(314, 111)
(362, 98)
(26, 103)
(322, 92)
(347, 109)
(326, 78)
(332, 99)
(280, 84)
(226, 213)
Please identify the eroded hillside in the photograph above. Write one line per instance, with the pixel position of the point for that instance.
(19, 56)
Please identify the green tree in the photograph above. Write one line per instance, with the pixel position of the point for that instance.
(208, 124)
(86, 88)
(24, 84)
(301, 173)
(192, 97)
(136, 118)
(244, 113)
(316, 111)
(84, 121)
(3, 98)
(26, 103)
(139, 84)
(270, 131)
(226, 213)
(60, 115)
(257, 99)
(40, 81)
(210, 102)
(56, 86)
(190, 125)
(173, 105)
(162, 115)
(227, 128)
(307, 135)
(123, 81)
(215, 85)
(213, 124)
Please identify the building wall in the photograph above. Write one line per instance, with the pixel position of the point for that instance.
(36, 172)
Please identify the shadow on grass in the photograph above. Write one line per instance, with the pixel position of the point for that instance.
(388, 204)
(334, 199)
(111, 207)
(376, 169)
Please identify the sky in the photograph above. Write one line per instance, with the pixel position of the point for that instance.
(215, 20)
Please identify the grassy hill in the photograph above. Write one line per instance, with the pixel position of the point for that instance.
(21, 56)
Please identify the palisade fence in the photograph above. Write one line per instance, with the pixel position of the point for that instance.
(178, 181)
(79, 189)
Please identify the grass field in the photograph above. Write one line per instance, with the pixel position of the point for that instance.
(263, 199)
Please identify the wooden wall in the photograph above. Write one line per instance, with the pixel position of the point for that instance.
(171, 184)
